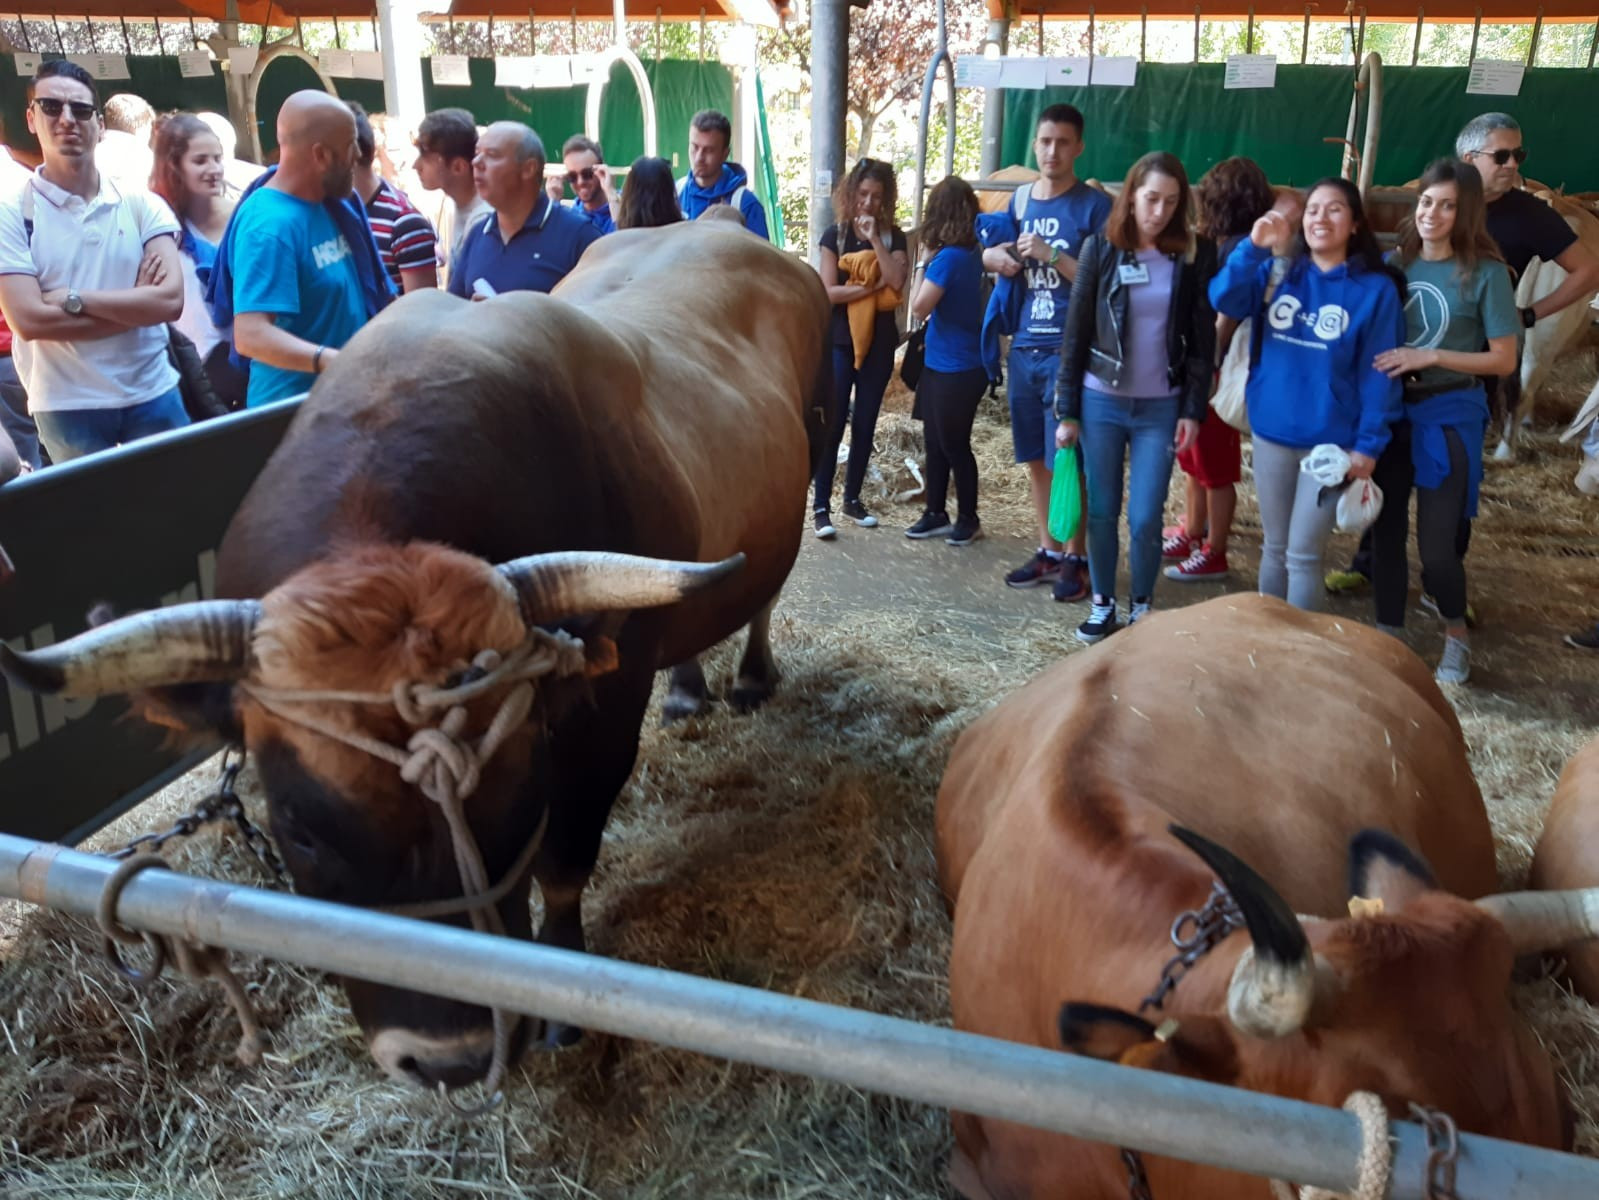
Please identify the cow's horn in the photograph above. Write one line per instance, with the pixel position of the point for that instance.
(1274, 984)
(1538, 921)
(183, 643)
(572, 582)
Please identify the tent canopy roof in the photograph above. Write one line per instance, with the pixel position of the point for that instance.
(1493, 11)
(284, 12)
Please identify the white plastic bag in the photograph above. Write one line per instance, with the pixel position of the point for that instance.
(1327, 464)
(1228, 399)
(1358, 506)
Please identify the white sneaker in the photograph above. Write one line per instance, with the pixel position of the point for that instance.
(1139, 610)
(1588, 476)
(1455, 665)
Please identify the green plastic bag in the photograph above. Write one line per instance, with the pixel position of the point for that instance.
(1065, 496)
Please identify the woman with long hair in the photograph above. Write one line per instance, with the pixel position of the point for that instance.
(1230, 199)
(1459, 297)
(1334, 307)
(649, 196)
(863, 207)
(949, 297)
(188, 174)
(1136, 364)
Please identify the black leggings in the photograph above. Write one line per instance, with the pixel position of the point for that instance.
(869, 381)
(1440, 514)
(948, 401)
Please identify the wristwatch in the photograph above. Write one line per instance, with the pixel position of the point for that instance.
(1528, 318)
(73, 304)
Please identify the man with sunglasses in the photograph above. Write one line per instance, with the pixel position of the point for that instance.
(590, 181)
(89, 277)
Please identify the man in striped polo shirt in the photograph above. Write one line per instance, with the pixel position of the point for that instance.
(406, 242)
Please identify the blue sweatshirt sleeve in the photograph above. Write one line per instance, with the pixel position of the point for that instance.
(1239, 289)
(755, 215)
(1381, 398)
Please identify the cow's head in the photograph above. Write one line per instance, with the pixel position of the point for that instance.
(1408, 1000)
(286, 674)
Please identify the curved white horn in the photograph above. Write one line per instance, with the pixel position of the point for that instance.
(1538, 921)
(572, 582)
(183, 643)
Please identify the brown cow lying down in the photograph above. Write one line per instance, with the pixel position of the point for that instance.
(1294, 740)
(1568, 852)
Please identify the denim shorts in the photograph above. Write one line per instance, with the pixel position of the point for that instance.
(1030, 387)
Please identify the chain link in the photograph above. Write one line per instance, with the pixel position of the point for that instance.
(1195, 933)
(223, 804)
(1137, 1180)
(1443, 1145)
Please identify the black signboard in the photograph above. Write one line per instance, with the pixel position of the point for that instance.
(134, 527)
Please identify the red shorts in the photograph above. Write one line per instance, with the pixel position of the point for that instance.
(1214, 460)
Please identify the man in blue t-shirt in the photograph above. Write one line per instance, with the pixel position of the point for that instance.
(297, 293)
(529, 242)
(1053, 217)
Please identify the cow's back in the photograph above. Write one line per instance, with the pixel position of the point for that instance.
(1568, 851)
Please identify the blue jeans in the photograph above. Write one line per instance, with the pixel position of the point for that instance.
(869, 382)
(14, 418)
(1139, 432)
(75, 432)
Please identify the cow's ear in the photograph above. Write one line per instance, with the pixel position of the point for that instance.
(193, 714)
(1198, 1047)
(1382, 868)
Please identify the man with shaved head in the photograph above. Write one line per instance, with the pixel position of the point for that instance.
(299, 254)
(528, 243)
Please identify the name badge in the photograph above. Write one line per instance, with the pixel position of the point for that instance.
(1131, 273)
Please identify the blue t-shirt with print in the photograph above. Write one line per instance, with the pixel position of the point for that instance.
(297, 268)
(954, 331)
(1064, 221)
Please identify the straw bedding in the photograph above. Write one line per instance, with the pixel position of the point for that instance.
(791, 850)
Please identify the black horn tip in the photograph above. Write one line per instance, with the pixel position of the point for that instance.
(30, 672)
(1273, 927)
(730, 565)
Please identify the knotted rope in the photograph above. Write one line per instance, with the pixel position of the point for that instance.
(1376, 1164)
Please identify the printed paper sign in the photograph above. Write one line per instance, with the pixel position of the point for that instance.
(194, 64)
(1023, 73)
(450, 70)
(552, 71)
(973, 70)
(339, 64)
(1066, 72)
(1251, 71)
(513, 71)
(103, 66)
(1115, 72)
(1492, 77)
(824, 183)
(585, 68)
(241, 59)
(368, 64)
(27, 64)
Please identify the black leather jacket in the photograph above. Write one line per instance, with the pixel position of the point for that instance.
(1097, 319)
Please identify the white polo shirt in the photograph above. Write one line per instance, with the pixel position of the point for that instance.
(93, 245)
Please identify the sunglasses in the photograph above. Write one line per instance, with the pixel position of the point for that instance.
(586, 175)
(1501, 157)
(51, 108)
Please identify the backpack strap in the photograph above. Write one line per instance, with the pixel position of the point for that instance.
(1018, 203)
(1257, 331)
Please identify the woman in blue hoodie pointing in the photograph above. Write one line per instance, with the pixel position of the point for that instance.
(1330, 307)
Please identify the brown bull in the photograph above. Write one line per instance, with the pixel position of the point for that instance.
(666, 402)
(1568, 852)
(1315, 750)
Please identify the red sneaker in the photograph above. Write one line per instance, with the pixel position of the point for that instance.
(1203, 564)
(1177, 544)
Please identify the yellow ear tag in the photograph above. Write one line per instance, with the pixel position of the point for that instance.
(1360, 907)
(1166, 1030)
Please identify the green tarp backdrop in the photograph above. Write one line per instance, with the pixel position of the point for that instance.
(1183, 108)
(681, 89)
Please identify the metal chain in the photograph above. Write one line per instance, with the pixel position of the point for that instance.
(1443, 1145)
(1137, 1181)
(222, 805)
(1210, 925)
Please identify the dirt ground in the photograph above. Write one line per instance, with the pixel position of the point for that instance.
(790, 850)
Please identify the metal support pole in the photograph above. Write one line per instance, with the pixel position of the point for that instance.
(829, 109)
(299, 34)
(60, 45)
(994, 104)
(1041, 31)
(1092, 30)
(28, 44)
(574, 31)
(1151, 1111)
(194, 34)
(1249, 32)
(1537, 32)
(93, 43)
(1360, 38)
(1196, 33)
(160, 42)
(338, 34)
(1304, 39)
(1476, 31)
(1143, 33)
(400, 40)
(376, 45)
(127, 42)
(702, 33)
(493, 49)
(657, 33)
(1415, 46)
(941, 57)
(532, 34)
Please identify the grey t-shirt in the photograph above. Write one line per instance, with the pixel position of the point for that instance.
(1445, 313)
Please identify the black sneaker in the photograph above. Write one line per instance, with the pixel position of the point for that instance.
(824, 525)
(1072, 584)
(1588, 639)
(966, 532)
(931, 524)
(856, 511)
(1041, 568)
(1101, 621)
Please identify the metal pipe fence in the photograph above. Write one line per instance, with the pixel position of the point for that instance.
(1145, 1110)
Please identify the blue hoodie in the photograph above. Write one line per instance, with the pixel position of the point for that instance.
(1312, 380)
(1004, 312)
(694, 199)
